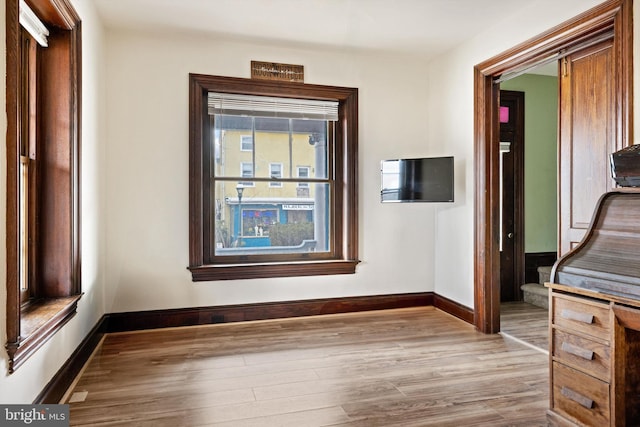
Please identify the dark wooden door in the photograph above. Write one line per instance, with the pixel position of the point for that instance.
(512, 195)
(587, 137)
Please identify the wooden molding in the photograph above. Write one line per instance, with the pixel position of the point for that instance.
(57, 12)
(253, 271)
(45, 317)
(453, 308)
(55, 265)
(613, 15)
(342, 257)
(56, 388)
(132, 321)
(513, 131)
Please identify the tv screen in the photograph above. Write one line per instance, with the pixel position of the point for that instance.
(417, 180)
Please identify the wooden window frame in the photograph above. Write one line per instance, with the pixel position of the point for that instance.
(54, 270)
(344, 230)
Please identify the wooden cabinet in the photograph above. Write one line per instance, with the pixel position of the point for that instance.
(580, 356)
(594, 358)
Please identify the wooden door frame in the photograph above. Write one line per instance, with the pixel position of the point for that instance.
(613, 15)
(518, 187)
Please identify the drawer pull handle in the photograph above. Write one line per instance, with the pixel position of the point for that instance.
(578, 317)
(577, 397)
(577, 351)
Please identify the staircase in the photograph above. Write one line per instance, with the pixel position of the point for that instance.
(536, 293)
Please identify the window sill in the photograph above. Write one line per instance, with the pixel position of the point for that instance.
(38, 322)
(259, 271)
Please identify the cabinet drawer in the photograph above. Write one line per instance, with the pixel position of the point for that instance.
(587, 355)
(580, 397)
(587, 317)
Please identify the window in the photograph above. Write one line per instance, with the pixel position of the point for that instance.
(30, 51)
(271, 229)
(275, 172)
(303, 172)
(246, 171)
(263, 217)
(257, 222)
(246, 143)
(43, 104)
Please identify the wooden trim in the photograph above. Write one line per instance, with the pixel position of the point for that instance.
(56, 388)
(57, 12)
(56, 269)
(486, 206)
(453, 308)
(343, 255)
(613, 14)
(254, 271)
(350, 178)
(12, 149)
(623, 51)
(47, 317)
(595, 21)
(58, 223)
(132, 321)
(518, 149)
(626, 317)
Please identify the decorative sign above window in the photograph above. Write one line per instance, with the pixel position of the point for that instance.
(275, 71)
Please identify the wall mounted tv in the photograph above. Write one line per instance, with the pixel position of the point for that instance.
(417, 180)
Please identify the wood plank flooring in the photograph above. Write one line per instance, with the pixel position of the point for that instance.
(525, 322)
(405, 367)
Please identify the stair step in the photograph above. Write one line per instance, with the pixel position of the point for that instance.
(544, 274)
(536, 294)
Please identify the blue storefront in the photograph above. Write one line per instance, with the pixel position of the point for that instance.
(258, 218)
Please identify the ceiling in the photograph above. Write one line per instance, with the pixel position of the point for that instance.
(427, 27)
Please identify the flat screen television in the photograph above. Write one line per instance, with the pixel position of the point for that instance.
(427, 179)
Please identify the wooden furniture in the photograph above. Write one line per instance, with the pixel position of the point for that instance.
(594, 321)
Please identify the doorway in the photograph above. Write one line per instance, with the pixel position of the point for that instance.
(612, 17)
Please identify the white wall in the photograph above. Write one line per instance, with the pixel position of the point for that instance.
(30, 379)
(147, 176)
(407, 108)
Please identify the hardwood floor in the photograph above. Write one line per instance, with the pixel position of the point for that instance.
(404, 367)
(525, 322)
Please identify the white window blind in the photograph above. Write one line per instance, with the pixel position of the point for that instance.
(266, 106)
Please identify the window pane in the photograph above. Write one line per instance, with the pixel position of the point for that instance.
(246, 143)
(24, 224)
(275, 171)
(246, 171)
(303, 172)
(267, 141)
(266, 220)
